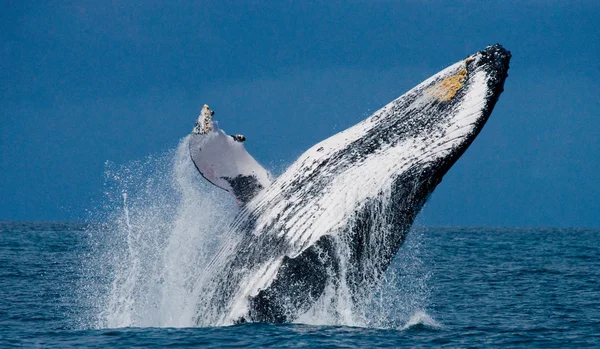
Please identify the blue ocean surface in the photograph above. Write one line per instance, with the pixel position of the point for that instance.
(455, 287)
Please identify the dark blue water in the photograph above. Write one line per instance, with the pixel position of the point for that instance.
(483, 287)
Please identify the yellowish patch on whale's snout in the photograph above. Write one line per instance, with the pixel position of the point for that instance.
(447, 88)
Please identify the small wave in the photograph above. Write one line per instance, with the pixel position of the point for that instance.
(421, 319)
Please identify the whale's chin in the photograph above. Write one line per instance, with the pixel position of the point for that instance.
(338, 215)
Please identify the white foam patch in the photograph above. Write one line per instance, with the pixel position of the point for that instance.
(164, 224)
(421, 318)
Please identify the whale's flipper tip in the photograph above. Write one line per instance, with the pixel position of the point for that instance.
(204, 124)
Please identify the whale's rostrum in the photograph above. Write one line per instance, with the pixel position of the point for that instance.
(338, 215)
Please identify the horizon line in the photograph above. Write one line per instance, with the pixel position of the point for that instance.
(415, 226)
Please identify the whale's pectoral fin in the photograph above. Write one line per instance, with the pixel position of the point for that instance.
(223, 160)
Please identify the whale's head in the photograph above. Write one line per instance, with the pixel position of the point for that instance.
(427, 130)
(397, 155)
(463, 95)
(438, 119)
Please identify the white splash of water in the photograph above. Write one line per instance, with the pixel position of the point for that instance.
(156, 241)
(164, 224)
(403, 292)
(421, 318)
(405, 287)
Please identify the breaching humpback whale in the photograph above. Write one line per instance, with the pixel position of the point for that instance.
(338, 215)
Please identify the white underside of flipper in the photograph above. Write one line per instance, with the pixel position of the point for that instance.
(224, 161)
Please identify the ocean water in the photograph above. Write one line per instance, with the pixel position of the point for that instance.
(454, 287)
(131, 276)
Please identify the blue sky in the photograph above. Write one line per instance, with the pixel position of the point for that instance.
(85, 82)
